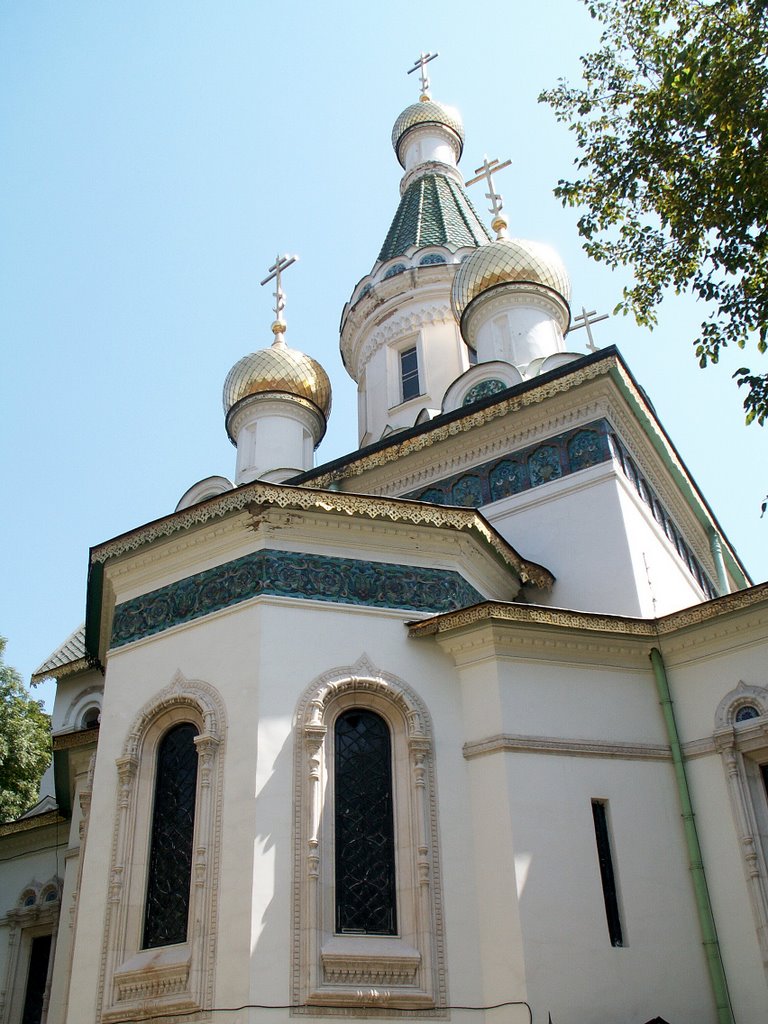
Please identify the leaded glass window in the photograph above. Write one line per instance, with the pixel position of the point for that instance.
(170, 855)
(364, 832)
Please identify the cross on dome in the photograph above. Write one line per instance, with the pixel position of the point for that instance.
(487, 170)
(587, 319)
(420, 65)
(275, 274)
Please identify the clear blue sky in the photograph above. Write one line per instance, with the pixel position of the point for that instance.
(155, 157)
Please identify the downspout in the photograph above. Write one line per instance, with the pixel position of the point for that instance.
(696, 864)
(717, 555)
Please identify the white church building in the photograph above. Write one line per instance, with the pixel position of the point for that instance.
(397, 736)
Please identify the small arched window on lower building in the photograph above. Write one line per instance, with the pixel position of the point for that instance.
(173, 822)
(364, 832)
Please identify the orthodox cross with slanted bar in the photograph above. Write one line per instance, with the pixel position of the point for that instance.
(420, 65)
(275, 274)
(587, 319)
(487, 170)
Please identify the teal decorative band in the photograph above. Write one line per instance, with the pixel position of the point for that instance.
(292, 574)
(519, 471)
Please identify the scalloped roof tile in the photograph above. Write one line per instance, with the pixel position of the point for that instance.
(433, 210)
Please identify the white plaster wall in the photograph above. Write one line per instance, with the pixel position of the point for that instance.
(702, 668)
(518, 335)
(573, 970)
(442, 357)
(251, 655)
(589, 531)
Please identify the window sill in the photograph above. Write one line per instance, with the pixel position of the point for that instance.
(370, 970)
(158, 976)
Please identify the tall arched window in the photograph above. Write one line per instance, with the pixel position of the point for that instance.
(173, 822)
(364, 832)
(367, 915)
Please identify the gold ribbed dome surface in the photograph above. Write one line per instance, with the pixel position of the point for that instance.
(278, 368)
(427, 112)
(508, 260)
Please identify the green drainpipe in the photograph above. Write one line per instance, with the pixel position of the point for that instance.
(717, 555)
(703, 904)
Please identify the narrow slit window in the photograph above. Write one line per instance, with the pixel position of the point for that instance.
(365, 847)
(607, 874)
(409, 373)
(170, 856)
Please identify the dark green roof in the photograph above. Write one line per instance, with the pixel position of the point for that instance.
(434, 210)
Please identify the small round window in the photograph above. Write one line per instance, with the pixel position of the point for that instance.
(745, 712)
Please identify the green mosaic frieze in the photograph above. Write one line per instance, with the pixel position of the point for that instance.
(521, 470)
(292, 574)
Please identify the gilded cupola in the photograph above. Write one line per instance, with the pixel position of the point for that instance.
(276, 402)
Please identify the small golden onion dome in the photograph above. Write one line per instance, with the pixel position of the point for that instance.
(508, 261)
(279, 369)
(427, 112)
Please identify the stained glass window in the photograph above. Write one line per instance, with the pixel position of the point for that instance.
(364, 832)
(170, 855)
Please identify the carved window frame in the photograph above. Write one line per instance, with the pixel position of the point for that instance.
(743, 747)
(175, 979)
(331, 973)
(36, 914)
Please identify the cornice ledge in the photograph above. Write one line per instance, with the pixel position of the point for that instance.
(708, 611)
(494, 612)
(29, 824)
(564, 747)
(475, 418)
(500, 612)
(255, 497)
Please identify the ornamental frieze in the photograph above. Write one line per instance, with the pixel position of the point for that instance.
(291, 574)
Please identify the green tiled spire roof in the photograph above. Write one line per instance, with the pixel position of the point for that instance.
(434, 210)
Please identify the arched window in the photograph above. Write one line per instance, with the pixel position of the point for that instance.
(161, 923)
(364, 833)
(368, 921)
(173, 822)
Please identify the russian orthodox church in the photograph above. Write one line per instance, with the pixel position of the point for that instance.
(399, 735)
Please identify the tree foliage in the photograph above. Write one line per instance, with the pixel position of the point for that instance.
(24, 743)
(671, 121)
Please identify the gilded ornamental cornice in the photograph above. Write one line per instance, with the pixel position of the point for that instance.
(477, 417)
(257, 496)
(29, 824)
(617, 625)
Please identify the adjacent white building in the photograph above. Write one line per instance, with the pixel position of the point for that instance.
(471, 724)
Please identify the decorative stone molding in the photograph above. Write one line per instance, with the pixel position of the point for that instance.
(179, 978)
(523, 468)
(36, 914)
(271, 572)
(401, 326)
(710, 613)
(743, 748)
(509, 743)
(258, 497)
(742, 696)
(395, 973)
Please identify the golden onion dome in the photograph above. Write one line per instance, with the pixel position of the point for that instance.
(278, 369)
(427, 112)
(508, 261)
